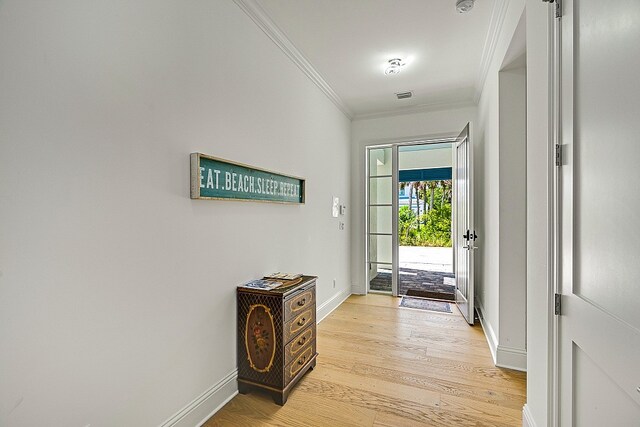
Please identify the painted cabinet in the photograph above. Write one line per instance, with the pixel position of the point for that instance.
(276, 337)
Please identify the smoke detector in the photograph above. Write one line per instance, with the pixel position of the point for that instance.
(395, 66)
(463, 6)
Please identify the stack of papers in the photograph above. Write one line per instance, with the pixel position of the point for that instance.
(283, 276)
(261, 284)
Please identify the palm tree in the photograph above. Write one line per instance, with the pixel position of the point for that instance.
(416, 186)
(446, 190)
(423, 190)
(431, 185)
(408, 184)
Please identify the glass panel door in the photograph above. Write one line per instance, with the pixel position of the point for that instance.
(381, 223)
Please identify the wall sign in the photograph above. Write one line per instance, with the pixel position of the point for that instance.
(214, 178)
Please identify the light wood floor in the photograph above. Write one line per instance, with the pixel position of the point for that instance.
(380, 365)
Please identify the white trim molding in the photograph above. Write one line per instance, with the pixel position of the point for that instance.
(492, 340)
(503, 356)
(511, 358)
(269, 27)
(527, 417)
(200, 409)
(498, 14)
(331, 304)
(422, 108)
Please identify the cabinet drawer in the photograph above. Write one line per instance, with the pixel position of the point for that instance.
(299, 303)
(299, 362)
(294, 326)
(298, 344)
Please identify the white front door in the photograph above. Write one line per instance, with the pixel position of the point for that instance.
(464, 232)
(599, 214)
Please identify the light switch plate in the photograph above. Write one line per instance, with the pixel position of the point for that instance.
(336, 207)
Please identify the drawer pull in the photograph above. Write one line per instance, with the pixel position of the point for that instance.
(302, 360)
(302, 302)
(302, 340)
(302, 321)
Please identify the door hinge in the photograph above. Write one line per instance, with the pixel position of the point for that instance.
(558, 155)
(557, 304)
(558, 4)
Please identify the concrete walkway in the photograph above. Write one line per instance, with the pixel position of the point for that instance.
(426, 259)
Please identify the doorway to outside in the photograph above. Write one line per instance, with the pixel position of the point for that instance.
(426, 235)
(424, 193)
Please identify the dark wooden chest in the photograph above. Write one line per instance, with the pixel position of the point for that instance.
(276, 337)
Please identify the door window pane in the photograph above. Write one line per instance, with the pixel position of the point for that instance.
(380, 161)
(380, 219)
(380, 277)
(380, 191)
(380, 248)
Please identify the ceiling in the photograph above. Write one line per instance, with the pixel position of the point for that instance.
(346, 44)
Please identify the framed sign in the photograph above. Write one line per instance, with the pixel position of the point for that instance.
(219, 179)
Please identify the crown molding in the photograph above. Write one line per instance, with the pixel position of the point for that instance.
(498, 14)
(422, 108)
(269, 27)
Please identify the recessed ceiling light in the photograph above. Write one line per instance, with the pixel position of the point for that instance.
(463, 6)
(394, 67)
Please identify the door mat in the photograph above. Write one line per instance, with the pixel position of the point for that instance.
(422, 293)
(425, 304)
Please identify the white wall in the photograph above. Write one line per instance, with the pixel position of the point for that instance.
(511, 349)
(441, 157)
(538, 187)
(390, 129)
(496, 176)
(117, 292)
(539, 179)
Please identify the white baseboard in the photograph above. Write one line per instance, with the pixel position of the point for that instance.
(503, 357)
(511, 358)
(331, 304)
(198, 411)
(359, 289)
(527, 418)
(492, 340)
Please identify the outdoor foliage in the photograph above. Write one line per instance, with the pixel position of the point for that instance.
(429, 224)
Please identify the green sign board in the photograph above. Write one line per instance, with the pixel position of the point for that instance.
(213, 178)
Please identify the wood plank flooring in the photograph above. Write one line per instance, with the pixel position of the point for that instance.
(381, 365)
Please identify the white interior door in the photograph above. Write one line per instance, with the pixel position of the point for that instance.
(464, 231)
(599, 276)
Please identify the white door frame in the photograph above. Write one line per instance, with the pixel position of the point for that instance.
(394, 144)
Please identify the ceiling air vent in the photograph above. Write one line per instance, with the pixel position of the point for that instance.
(404, 95)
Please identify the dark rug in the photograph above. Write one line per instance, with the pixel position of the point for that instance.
(419, 283)
(425, 304)
(447, 296)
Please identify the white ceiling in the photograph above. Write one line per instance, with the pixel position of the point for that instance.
(347, 43)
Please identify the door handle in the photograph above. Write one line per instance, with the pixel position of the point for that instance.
(469, 247)
(470, 236)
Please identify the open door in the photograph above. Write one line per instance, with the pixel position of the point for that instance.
(597, 177)
(463, 230)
